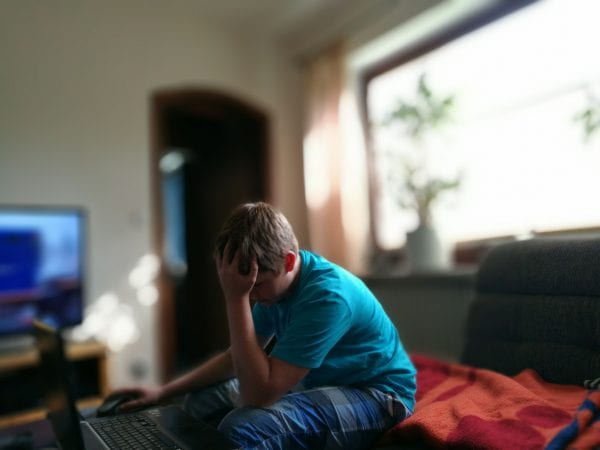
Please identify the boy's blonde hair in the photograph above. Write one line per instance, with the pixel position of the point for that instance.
(257, 230)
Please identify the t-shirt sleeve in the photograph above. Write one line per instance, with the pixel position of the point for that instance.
(263, 326)
(314, 329)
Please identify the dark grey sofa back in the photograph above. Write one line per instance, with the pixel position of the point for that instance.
(537, 305)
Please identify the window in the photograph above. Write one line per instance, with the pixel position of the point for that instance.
(519, 84)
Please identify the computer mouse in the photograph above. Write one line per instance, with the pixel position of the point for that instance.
(111, 404)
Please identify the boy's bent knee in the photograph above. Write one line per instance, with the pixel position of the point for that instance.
(251, 427)
(271, 428)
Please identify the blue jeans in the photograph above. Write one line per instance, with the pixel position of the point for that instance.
(320, 418)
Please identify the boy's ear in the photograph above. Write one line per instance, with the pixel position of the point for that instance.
(290, 261)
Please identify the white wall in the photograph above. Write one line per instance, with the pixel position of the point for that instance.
(75, 80)
(430, 312)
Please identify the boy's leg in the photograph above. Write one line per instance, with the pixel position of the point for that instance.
(212, 403)
(322, 418)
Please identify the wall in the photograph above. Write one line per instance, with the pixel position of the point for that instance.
(75, 81)
(429, 311)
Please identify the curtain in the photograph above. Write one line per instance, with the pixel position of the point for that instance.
(334, 169)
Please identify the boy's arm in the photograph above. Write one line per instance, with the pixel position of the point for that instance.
(214, 370)
(263, 379)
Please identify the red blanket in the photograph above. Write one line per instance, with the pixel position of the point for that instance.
(464, 407)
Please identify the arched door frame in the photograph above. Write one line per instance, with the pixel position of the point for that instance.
(204, 103)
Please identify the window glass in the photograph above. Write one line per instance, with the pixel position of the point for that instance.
(518, 85)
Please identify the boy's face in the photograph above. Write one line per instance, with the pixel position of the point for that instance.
(269, 287)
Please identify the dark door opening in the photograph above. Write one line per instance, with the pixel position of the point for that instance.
(219, 145)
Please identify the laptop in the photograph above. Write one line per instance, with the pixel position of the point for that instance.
(168, 427)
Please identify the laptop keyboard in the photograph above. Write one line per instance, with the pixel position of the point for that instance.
(132, 431)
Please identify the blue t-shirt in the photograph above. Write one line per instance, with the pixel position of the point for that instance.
(332, 324)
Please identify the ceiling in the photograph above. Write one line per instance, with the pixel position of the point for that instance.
(274, 15)
(301, 25)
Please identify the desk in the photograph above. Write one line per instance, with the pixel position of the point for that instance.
(21, 391)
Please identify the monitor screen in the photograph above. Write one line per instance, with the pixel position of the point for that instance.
(41, 267)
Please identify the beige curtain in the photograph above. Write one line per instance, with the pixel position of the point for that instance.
(333, 172)
(322, 152)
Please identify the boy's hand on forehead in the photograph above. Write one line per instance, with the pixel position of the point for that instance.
(235, 285)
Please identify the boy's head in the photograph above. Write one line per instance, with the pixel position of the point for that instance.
(257, 230)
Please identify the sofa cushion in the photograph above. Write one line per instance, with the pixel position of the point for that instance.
(537, 305)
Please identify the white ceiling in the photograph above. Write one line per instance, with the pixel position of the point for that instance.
(302, 25)
(273, 15)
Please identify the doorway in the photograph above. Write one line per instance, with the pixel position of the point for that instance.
(209, 153)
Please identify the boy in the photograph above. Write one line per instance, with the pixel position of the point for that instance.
(337, 376)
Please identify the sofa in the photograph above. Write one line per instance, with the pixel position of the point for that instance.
(529, 374)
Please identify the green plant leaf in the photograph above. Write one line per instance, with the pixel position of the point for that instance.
(590, 119)
(412, 187)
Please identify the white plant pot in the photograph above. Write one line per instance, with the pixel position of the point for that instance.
(424, 250)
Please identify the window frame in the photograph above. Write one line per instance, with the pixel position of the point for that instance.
(446, 34)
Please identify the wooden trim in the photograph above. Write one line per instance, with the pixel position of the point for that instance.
(472, 251)
(166, 313)
(74, 352)
(35, 414)
(453, 31)
(580, 231)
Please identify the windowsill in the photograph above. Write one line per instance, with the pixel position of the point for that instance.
(462, 276)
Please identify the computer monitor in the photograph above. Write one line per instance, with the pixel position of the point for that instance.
(42, 265)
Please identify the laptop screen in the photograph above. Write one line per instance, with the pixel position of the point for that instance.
(59, 399)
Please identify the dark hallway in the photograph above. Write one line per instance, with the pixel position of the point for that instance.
(221, 144)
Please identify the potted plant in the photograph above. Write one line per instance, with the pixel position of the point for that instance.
(589, 118)
(415, 185)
